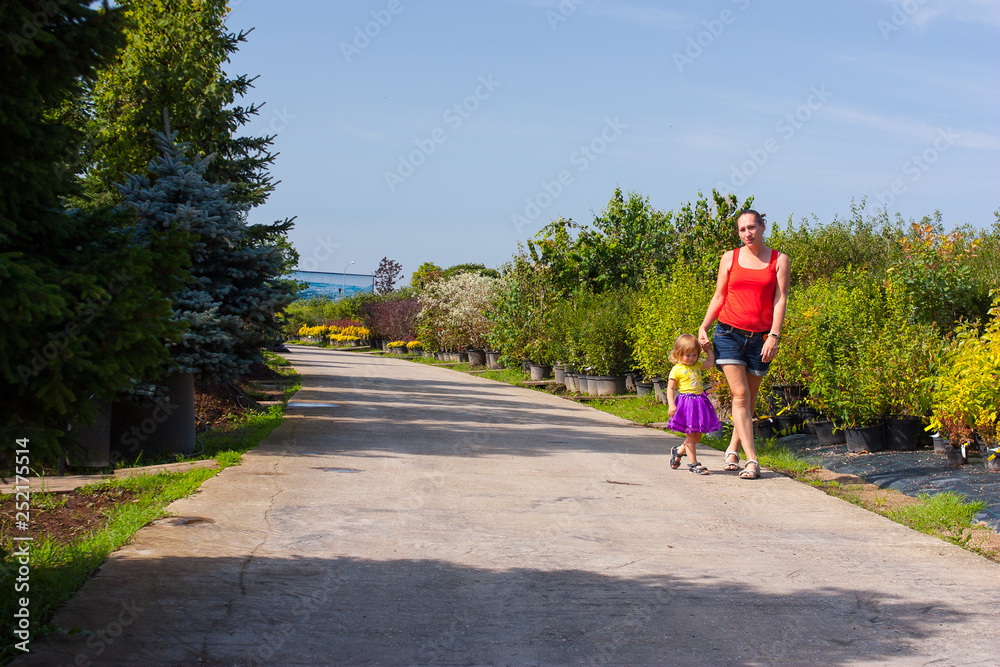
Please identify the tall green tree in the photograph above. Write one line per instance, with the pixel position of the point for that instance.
(81, 306)
(173, 63)
(172, 67)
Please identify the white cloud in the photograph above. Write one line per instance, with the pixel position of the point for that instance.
(980, 12)
(619, 10)
(912, 130)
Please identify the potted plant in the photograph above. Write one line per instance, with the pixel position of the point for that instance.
(605, 341)
(967, 394)
(908, 372)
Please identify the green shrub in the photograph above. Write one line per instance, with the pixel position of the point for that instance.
(519, 309)
(866, 243)
(666, 307)
(967, 396)
(938, 271)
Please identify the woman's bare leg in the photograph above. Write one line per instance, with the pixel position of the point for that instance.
(743, 389)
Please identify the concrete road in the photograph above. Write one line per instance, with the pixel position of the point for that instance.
(413, 515)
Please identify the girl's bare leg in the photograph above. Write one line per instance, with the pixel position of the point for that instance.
(690, 444)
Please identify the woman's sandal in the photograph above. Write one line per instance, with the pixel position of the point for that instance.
(675, 458)
(732, 465)
(698, 469)
(747, 473)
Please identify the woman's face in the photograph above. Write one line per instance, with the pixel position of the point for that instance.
(751, 232)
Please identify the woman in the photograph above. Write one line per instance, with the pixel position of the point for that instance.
(749, 302)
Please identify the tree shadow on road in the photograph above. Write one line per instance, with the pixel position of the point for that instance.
(354, 611)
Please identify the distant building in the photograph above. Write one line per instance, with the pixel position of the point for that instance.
(333, 285)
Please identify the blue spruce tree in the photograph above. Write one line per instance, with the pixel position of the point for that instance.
(230, 302)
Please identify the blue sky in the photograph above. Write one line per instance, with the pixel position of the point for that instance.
(447, 131)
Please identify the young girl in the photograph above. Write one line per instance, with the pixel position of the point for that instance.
(691, 412)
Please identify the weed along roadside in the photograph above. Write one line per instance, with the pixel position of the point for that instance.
(73, 530)
(949, 516)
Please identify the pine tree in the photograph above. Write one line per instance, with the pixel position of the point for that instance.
(230, 301)
(173, 62)
(81, 311)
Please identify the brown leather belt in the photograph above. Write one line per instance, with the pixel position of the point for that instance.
(742, 332)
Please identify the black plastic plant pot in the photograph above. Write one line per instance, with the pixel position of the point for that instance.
(955, 456)
(902, 434)
(865, 439)
(986, 452)
(828, 434)
(765, 428)
(540, 372)
(787, 422)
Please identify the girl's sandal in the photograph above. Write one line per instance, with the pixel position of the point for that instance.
(732, 465)
(698, 469)
(675, 458)
(747, 473)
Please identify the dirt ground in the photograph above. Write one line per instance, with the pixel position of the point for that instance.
(64, 517)
(219, 404)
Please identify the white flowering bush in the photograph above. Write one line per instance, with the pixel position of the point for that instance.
(453, 312)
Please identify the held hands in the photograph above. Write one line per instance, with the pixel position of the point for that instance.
(703, 340)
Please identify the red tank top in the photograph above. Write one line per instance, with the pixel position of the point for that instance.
(749, 301)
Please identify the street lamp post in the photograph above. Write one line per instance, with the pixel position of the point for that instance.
(343, 287)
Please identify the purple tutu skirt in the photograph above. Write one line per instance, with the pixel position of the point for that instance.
(695, 414)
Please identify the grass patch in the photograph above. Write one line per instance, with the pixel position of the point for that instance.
(228, 444)
(945, 514)
(514, 376)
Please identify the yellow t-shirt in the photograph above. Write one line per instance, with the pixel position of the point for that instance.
(688, 378)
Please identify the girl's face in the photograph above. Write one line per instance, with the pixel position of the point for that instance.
(690, 357)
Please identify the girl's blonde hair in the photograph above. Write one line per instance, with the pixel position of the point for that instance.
(685, 344)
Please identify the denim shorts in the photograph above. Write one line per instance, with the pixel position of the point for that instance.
(734, 347)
